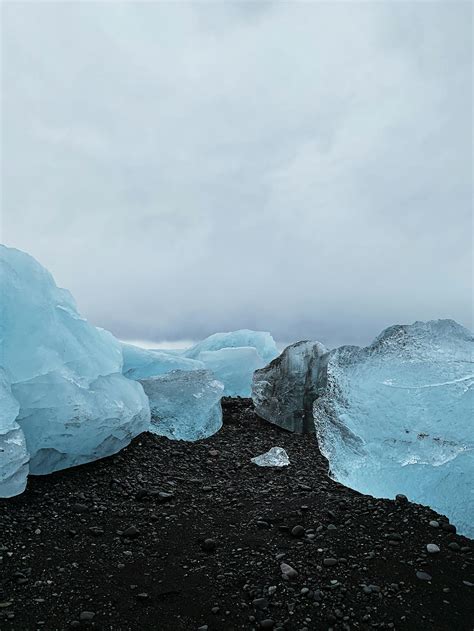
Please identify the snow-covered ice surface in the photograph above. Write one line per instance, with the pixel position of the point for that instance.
(13, 454)
(283, 392)
(234, 367)
(274, 457)
(185, 405)
(397, 416)
(66, 375)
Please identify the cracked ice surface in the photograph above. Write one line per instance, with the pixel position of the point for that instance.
(397, 416)
(13, 454)
(74, 404)
(275, 457)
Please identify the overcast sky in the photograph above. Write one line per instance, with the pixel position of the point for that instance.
(190, 168)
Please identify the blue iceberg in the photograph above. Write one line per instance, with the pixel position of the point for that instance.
(397, 416)
(185, 405)
(74, 404)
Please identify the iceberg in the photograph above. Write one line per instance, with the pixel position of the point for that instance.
(141, 363)
(274, 457)
(397, 416)
(284, 391)
(65, 374)
(185, 405)
(13, 454)
(262, 341)
(234, 367)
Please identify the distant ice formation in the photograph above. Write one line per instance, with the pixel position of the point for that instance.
(398, 416)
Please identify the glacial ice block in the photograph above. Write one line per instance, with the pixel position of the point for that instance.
(283, 392)
(185, 405)
(75, 404)
(234, 367)
(13, 454)
(141, 363)
(262, 341)
(397, 416)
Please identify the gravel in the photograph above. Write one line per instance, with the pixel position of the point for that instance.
(176, 536)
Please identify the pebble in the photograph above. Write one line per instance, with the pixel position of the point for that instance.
(208, 545)
(432, 548)
(86, 615)
(297, 531)
(423, 576)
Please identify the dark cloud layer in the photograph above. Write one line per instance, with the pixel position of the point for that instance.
(188, 168)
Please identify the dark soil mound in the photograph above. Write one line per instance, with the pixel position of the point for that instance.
(185, 536)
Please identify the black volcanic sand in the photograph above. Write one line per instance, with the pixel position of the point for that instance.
(119, 544)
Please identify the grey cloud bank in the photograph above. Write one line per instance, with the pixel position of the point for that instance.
(191, 168)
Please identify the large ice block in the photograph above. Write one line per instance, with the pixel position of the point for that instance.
(185, 405)
(75, 404)
(141, 363)
(262, 341)
(397, 416)
(283, 392)
(13, 454)
(234, 367)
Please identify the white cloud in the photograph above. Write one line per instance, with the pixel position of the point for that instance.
(301, 168)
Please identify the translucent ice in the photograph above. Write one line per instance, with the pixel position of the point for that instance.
(185, 405)
(397, 416)
(260, 340)
(140, 363)
(283, 392)
(234, 367)
(275, 457)
(13, 455)
(75, 405)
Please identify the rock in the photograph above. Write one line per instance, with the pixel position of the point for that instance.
(298, 531)
(432, 548)
(329, 562)
(131, 532)
(423, 576)
(208, 545)
(86, 615)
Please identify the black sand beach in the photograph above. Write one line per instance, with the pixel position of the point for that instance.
(171, 536)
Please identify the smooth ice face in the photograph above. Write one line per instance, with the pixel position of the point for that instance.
(234, 367)
(283, 392)
(275, 457)
(263, 343)
(397, 416)
(185, 405)
(13, 455)
(75, 405)
(141, 363)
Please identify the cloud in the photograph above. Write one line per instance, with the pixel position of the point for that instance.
(189, 168)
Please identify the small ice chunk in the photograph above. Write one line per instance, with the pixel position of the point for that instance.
(275, 457)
